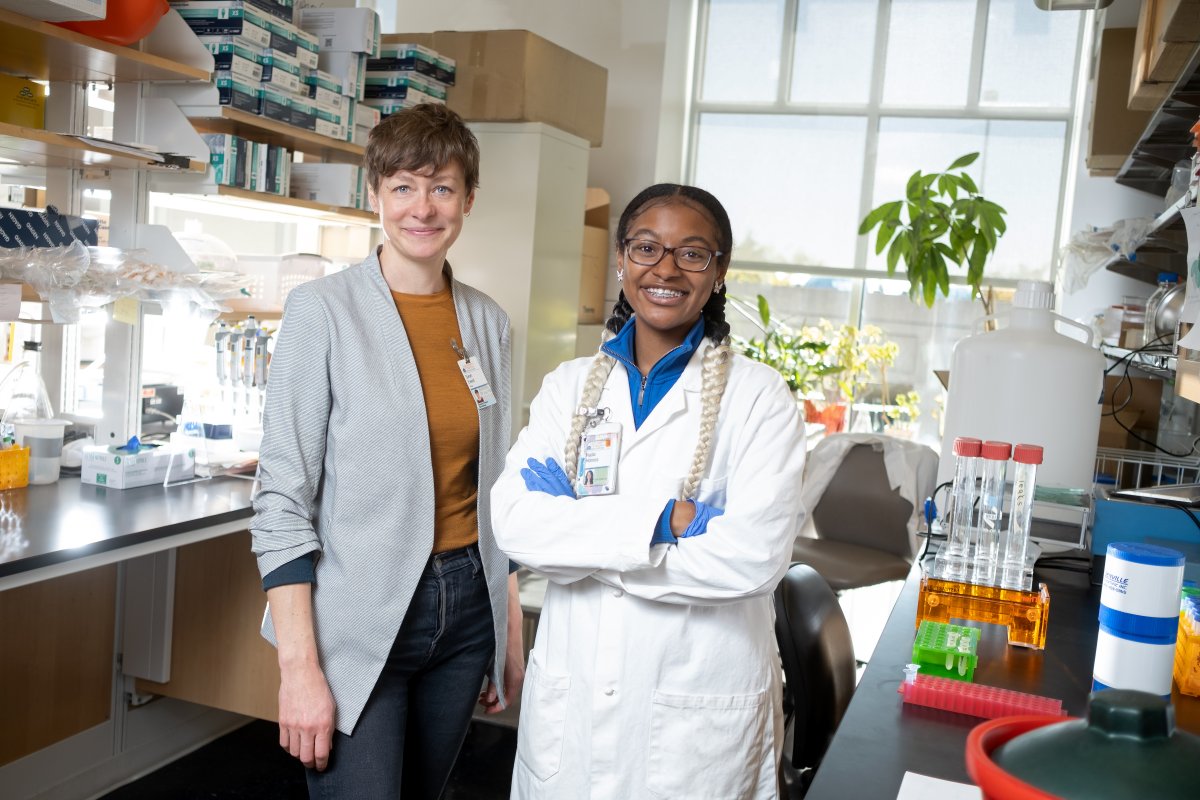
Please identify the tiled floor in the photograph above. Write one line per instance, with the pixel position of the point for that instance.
(249, 765)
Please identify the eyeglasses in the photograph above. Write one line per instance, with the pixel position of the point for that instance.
(688, 258)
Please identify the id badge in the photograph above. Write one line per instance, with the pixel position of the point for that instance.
(599, 450)
(477, 383)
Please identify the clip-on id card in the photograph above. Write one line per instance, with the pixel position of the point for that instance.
(599, 449)
(477, 383)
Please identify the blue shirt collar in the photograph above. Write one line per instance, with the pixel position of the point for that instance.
(645, 395)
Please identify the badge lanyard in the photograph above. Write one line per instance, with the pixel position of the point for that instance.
(472, 373)
(599, 450)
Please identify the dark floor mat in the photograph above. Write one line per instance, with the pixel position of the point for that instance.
(248, 763)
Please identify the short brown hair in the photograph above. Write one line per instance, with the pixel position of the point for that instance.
(424, 136)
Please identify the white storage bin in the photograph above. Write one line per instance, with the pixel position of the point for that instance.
(273, 277)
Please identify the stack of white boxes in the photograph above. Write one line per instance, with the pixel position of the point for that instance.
(406, 75)
(347, 37)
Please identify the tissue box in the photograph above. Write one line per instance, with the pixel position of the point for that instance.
(117, 470)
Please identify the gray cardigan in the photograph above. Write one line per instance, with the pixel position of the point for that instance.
(344, 468)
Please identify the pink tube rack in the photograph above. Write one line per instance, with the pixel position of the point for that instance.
(974, 699)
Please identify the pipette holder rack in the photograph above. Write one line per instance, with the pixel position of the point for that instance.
(945, 650)
(989, 702)
(1024, 614)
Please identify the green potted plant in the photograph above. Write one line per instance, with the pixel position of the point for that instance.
(941, 221)
(798, 356)
(828, 367)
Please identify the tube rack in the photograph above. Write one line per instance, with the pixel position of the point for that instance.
(974, 699)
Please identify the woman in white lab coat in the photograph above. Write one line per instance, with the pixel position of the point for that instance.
(655, 672)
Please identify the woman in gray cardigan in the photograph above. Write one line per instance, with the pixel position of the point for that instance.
(386, 424)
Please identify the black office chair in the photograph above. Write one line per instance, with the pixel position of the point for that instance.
(818, 671)
(860, 521)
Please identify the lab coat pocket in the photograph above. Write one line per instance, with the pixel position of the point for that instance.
(543, 717)
(712, 491)
(708, 746)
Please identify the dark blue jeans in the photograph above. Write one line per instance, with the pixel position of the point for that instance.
(410, 732)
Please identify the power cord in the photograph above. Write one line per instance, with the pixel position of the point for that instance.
(1153, 346)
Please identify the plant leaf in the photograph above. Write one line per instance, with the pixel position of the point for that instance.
(963, 161)
(913, 189)
(764, 312)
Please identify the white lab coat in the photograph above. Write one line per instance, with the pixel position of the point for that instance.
(655, 672)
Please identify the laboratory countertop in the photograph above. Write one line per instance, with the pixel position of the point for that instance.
(881, 731)
(58, 527)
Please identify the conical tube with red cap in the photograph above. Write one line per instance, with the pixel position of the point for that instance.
(984, 552)
(1016, 542)
(953, 561)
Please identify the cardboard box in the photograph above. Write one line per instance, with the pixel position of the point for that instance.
(332, 184)
(104, 467)
(593, 273)
(1156, 64)
(1167, 57)
(516, 76)
(1179, 20)
(1114, 129)
(1136, 401)
(22, 102)
(352, 29)
(348, 69)
(58, 10)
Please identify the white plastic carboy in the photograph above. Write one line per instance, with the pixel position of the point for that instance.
(1029, 382)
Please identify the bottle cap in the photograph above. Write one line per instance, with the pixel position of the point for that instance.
(996, 451)
(1034, 294)
(1168, 277)
(1027, 454)
(966, 446)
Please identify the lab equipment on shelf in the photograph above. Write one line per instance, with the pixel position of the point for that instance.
(1166, 282)
(945, 650)
(977, 700)
(1016, 572)
(951, 561)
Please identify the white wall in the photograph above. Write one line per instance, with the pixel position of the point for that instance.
(1102, 201)
(630, 39)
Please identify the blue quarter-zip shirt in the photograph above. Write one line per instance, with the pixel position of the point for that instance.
(646, 391)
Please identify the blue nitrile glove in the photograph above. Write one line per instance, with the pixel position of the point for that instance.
(548, 478)
(699, 524)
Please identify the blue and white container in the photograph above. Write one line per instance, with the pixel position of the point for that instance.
(1139, 618)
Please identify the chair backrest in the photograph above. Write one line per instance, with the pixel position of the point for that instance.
(818, 660)
(860, 507)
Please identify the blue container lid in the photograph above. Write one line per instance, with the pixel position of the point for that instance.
(1140, 553)
(1168, 277)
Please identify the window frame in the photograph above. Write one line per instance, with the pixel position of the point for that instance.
(874, 111)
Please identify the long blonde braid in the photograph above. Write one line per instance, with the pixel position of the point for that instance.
(715, 374)
(602, 365)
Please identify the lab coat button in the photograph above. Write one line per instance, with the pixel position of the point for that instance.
(609, 692)
(617, 593)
